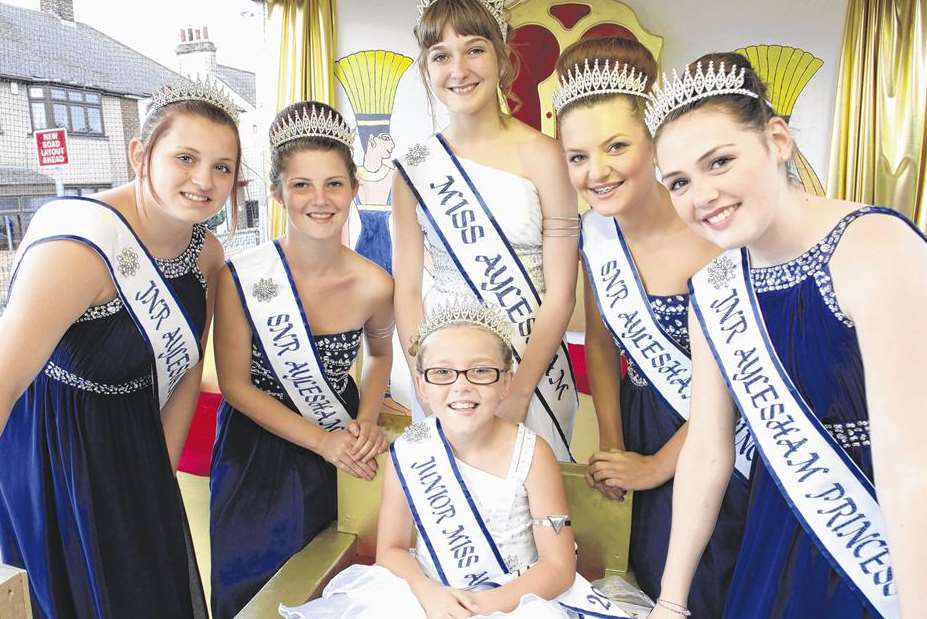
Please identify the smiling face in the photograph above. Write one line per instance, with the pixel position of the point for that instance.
(725, 179)
(462, 406)
(191, 168)
(463, 72)
(316, 189)
(609, 155)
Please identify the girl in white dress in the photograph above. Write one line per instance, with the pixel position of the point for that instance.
(463, 373)
(515, 201)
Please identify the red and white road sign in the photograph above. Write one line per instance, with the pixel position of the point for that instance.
(52, 147)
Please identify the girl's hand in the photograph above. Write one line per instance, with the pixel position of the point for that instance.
(626, 470)
(610, 492)
(369, 440)
(440, 602)
(659, 612)
(336, 448)
(514, 408)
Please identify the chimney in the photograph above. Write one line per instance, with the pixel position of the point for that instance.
(62, 9)
(196, 54)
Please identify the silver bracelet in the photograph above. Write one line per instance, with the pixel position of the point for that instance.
(673, 607)
(556, 522)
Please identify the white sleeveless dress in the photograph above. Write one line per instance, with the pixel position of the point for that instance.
(373, 592)
(516, 206)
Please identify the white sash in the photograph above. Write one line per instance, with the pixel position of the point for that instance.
(145, 293)
(268, 294)
(830, 496)
(493, 272)
(449, 523)
(625, 309)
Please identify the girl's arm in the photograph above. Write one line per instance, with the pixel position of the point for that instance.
(408, 265)
(874, 292)
(556, 567)
(604, 372)
(558, 200)
(395, 536)
(378, 361)
(233, 367)
(706, 463)
(177, 414)
(56, 281)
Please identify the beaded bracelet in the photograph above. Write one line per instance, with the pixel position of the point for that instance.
(673, 607)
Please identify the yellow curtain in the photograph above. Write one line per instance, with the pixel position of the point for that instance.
(306, 64)
(879, 144)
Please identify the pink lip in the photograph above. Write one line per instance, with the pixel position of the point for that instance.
(721, 225)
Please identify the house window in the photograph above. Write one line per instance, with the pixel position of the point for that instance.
(79, 111)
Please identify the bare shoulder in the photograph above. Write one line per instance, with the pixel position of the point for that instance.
(537, 149)
(212, 258)
(880, 260)
(375, 281)
(543, 462)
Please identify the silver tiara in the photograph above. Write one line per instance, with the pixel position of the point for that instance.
(496, 8)
(581, 83)
(669, 96)
(312, 123)
(462, 310)
(183, 89)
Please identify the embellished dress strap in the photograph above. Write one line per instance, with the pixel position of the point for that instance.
(172, 268)
(522, 454)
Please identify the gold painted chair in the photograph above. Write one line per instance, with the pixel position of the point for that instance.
(602, 529)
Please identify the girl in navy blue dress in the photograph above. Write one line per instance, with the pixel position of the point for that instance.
(609, 155)
(827, 371)
(289, 321)
(101, 345)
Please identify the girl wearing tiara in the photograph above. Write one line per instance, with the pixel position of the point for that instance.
(638, 255)
(798, 319)
(490, 199)
(483, 495)
(289, 321)
(102, 341)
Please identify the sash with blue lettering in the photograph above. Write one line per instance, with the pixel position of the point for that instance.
(625, 309)
(493, 272)
(145, 293)
(449, 523)
(828, 493)
(269, 296)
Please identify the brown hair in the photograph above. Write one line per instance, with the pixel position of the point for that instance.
(617, 51)
(466, 18)
(753, 113)
(280, 156)
(160, 120)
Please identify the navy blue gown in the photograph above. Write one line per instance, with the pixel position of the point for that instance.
(269, 497)
(780, 572)
(648, 423)
(89, 505)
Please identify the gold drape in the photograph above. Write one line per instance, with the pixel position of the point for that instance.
(306, 64)
(879, 144)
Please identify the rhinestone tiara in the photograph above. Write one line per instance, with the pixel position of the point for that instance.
(461, 310)
(496, 8)
(183, 89)
(312, 123)
(581, 83)
(669, 96)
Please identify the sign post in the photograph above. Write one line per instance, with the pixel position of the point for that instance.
(51, 146)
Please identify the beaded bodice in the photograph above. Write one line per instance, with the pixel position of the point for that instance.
(171, 268)
(514, 203)
(337, 351)
(672, 314)
(104, 353)
(503, 505)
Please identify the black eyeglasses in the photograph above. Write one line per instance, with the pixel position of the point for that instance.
(448, 376)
